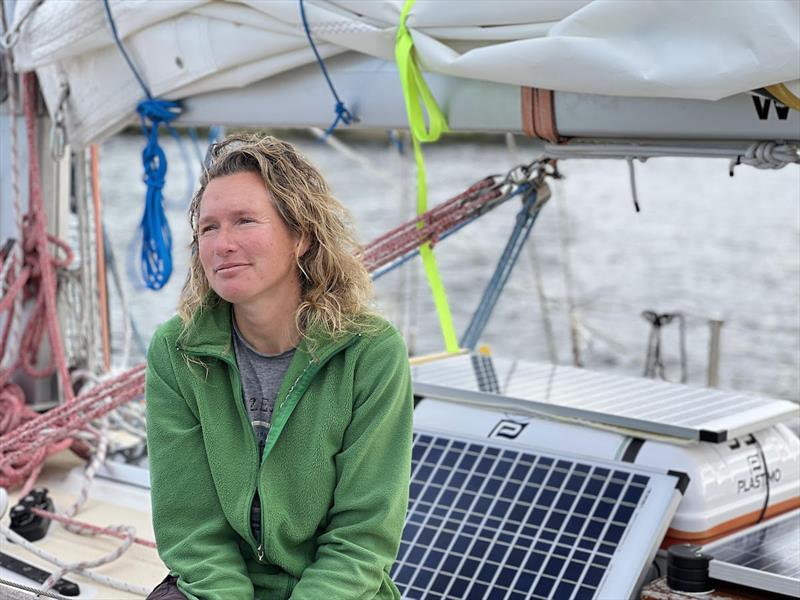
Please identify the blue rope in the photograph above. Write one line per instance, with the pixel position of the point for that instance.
(156, 254)
(525, 219)
(156, 250)
(124, 52)
(342, 114)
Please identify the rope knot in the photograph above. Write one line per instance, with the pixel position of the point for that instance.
(158, 110)
(343, 114)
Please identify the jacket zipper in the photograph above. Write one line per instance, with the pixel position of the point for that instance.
(257, 544)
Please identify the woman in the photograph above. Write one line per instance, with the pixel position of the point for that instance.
(278, 407)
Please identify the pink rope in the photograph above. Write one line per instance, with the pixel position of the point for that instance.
(25, 448)
(26, 438)
(429, 226)
(36, 280)
(44, 265)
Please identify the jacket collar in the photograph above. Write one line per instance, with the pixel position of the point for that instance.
(211, 334)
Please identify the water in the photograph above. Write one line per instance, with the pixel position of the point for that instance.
(705, 244)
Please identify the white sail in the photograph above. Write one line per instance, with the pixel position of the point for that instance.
(704, 49)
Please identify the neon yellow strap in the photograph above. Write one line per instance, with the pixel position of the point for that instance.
(417, 95)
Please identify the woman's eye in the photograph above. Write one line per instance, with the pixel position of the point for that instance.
(246, 220)
(206, 229)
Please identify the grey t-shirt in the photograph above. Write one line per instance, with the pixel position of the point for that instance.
(261, 375)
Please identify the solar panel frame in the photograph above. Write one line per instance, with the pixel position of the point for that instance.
(736, 557)
(654, 408)
(459, 470)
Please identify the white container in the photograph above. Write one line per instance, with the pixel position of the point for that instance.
(733, 484)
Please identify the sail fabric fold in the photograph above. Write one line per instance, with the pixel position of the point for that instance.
(701, 49)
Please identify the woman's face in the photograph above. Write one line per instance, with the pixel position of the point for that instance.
(245, 248)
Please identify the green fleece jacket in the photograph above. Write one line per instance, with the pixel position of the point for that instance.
(333, 478)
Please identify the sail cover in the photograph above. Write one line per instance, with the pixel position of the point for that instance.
(700, 49)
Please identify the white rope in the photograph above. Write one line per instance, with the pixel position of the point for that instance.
(80, 568)
(70, 310)
(88, 315)
(767, 155)
(19, 591)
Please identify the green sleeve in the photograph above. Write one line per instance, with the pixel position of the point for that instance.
(193, 537)
(365, 521)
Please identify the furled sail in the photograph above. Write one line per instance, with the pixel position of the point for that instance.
(702, 50)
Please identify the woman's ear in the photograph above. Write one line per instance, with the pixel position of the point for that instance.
(302, 246)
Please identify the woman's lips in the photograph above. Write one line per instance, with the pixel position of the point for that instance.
(230, 268)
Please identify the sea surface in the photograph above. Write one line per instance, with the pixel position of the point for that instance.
(705, 244)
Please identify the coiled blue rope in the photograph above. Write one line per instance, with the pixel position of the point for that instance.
(343, 115)
(156, 252)
(156, 249)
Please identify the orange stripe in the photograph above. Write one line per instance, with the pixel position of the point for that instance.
(677, 536)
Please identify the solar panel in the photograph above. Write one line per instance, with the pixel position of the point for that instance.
(649, 406)
(766, 556)
(494, 521)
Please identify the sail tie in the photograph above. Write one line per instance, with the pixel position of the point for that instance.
(416, 93)
(343, 115)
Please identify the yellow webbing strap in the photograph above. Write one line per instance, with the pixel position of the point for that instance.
(784, 95)
(417, 95)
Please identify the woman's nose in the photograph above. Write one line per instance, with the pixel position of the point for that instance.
(225, 242)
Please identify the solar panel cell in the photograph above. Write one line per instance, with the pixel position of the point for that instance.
(524, 581)
(602, 510)
(766, 557)
(543, 587)
(492, 522)
(614, 534)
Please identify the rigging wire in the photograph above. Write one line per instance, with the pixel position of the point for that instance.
(534, 198)
(533, 255)
(572, 313)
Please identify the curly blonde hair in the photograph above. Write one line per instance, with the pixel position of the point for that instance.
(335, 287)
